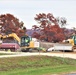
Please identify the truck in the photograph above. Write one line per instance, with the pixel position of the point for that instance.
(15, 43)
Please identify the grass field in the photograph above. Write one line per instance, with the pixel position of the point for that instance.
(36, 65)
(6, 54)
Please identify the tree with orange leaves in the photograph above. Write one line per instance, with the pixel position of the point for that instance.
(11, 24)
(49, 28)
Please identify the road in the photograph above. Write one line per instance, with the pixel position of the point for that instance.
(58, 54)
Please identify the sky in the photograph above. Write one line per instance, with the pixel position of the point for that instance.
(26, 10)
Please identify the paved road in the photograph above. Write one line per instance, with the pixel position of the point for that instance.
(58, 54)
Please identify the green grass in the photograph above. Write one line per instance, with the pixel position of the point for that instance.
(6, 54)
(36, 65)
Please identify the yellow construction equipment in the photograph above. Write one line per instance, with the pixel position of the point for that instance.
(72, 41)
(25, 42)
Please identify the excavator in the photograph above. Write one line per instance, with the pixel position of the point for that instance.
(72, 41)
(24, 43)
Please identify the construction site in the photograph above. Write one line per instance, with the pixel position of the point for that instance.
(15, 37)
(47, 41)
(37, 37)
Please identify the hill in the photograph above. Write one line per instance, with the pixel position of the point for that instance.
(36, 65)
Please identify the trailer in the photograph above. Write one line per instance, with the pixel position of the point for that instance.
(62, 47)
(12, 46)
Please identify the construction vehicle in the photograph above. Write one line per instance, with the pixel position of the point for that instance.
(10, 41)
(72, 41)
(18, 44)
(28, 43)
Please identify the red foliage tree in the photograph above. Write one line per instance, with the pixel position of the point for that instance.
(36, 35)
(10, 24)
(49, 28)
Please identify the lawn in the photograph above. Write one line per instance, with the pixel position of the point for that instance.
(6, 53)
(36, 65)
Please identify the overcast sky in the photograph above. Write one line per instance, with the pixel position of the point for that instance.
(26, 10)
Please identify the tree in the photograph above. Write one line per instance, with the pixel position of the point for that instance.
(11, 24)
(49, 28)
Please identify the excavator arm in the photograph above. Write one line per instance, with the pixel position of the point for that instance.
(14, 36)
(11, 35)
